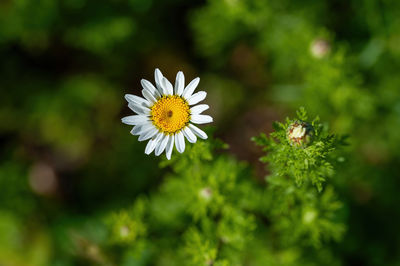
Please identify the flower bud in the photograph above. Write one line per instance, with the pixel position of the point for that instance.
(309, 216)
(206, 193)
(320, 48)
(300, 133)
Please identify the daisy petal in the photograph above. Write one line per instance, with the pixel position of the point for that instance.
(148, 134)
(189, 135)
(168, 89)
(200, 133)
(135, 119)
(151, 145)
(136, 99)
(180, 142)
(179, 83)
(169, 148)
(158, 78)
(139, 129)
(201, 119)
(198, 109)
(161, 145)
(190, 88)
(140, 110)
(197, 97)
(149, 96)
(136, 130)
(147, 85)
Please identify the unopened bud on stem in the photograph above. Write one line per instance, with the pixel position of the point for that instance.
(300, 133)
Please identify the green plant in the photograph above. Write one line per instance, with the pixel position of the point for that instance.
(214, 209)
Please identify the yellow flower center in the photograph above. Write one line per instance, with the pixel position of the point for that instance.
(170, 114)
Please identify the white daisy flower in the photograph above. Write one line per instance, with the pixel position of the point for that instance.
(166, 114)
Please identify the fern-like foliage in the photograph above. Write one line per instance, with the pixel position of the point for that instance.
(301, 213)
(210, 209)
(309, 162)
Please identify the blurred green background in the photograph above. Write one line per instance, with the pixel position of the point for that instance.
(66, 159)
